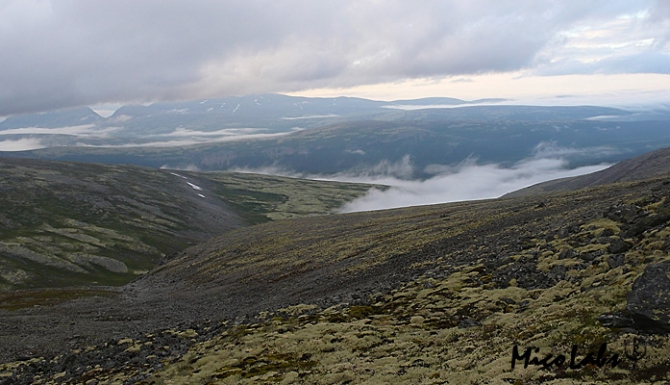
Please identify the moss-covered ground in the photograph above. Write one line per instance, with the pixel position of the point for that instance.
(446, 293)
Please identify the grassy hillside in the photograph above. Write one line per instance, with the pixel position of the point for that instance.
(260, 198)
(425, 295)
(70, 224)
(489, 276)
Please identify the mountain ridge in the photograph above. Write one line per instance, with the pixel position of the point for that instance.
(352, 146)
(650, 165)
(268, 110)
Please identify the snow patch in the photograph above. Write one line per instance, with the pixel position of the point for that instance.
(194, 186)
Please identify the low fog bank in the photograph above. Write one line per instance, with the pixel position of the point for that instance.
(33, 138)
(469, 181)
(466, 181)
(23, 144)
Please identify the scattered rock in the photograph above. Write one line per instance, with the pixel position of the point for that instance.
(566, 231)
(616, 320)
(526, 243)
(615, 261)
(590, 256)
(646, 222)
(468, 323)
(558, 272)
(526, 275)
(607, 233)
(649, 300)
(622, 213)
(567, 253)
(524, 305)
(618, 245)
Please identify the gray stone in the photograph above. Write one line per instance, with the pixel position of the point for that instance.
(618, 245)
(615, 261)
(468, 323)
(622, 213)
(649, 300)
(616, 320)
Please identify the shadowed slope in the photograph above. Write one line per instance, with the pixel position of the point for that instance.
(650, 165)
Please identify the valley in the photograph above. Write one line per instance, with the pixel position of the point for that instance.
(415, 295)
(122, 261)
(328, 136)
(334, 193)
(74, 224)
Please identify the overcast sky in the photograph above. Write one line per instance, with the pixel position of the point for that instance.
(60, 53)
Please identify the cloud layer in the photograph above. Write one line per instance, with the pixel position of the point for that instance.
(23, 144)
(469, 181)
(77, 52)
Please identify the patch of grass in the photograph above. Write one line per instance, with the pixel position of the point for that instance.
(52, 211)
(260, 198)
(22, 299)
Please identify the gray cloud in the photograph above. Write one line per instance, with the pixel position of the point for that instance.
(77, 52)
(644, 62)
(21, 144)
(550, 150)
(469, 181)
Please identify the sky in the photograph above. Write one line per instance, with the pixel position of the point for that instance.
(65, 53)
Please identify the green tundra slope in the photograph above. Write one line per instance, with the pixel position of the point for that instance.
(424, 295)
(73, 224)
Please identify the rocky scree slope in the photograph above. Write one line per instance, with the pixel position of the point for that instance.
(425, 295)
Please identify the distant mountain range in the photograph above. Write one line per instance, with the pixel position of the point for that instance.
(271, 111)
(278, 113)
(335, 135)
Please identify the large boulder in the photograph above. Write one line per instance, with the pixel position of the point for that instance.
(649, 300)
(623, 213)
